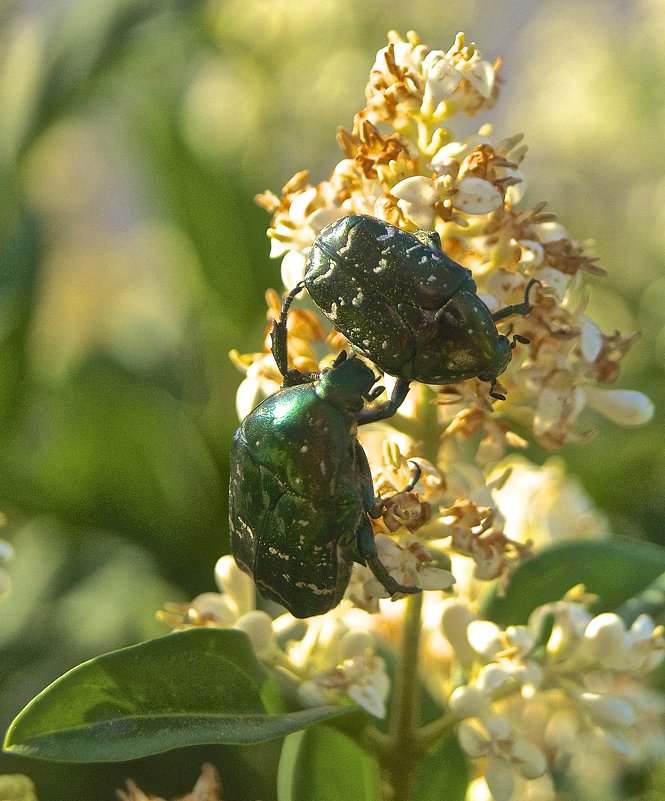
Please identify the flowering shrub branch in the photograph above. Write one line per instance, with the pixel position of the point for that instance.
(560, 688)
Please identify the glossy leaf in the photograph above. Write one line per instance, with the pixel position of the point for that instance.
(323, 764)
(444, 775)
(615, 570)
(195, 687)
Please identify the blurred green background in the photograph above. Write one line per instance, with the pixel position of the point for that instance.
(134, 135)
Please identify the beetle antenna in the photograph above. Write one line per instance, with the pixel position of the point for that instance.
(518, 308)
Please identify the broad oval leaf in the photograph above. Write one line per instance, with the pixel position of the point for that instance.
(323, 764)
(195, 687)
(444, 775)
(615, 570)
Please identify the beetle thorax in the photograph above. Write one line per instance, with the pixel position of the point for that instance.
(346, 385)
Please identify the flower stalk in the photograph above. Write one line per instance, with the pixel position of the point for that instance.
(401, 759)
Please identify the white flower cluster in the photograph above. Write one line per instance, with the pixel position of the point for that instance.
(564, 700)
(526, 697)
(325, 660)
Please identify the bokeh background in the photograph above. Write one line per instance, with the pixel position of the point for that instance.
(134, 135)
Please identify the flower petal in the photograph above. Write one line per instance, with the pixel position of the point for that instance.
(624, 406)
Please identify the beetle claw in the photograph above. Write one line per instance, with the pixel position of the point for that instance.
(495, 395)
(415, 478)
(374, 394)
(341, 357)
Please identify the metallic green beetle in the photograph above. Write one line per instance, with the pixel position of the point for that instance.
(301, 491)
(406, 305)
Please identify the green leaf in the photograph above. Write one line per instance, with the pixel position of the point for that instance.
(323, 764)
(615, 570)
(650, 601)
(195, 687)
(444, 775)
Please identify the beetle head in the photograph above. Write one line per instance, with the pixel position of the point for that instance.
(346, 384)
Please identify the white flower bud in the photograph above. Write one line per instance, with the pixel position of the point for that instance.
(550, 231)
(468, 702)
(604, 640)
(520, 638)
(416, 197)
(237, 585)
(626, 407)
(258, 626)
(476, 196)
(562, 729)
(495, 675)
(293, 268)
(441, 78)
(608, 711)
(248, 396)
(485, 637)
(532, 253)
(355, 642)
(6, 550)
(455, 618)
(434, 578)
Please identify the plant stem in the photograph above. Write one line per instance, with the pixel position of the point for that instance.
(401, 758)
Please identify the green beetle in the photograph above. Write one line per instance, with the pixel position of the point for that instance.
(406, 305)
(301, 492)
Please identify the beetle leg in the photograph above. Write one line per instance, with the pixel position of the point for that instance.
(341, 357)
(387, 409)
(493, 394)
(430, 238)
(415, 478)
(280, 348)
(374, 393)
(519, 338)
(367, 548)
(517, 308)
(377, 510)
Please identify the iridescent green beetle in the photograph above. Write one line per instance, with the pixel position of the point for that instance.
(301, 493)
(406, 305)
